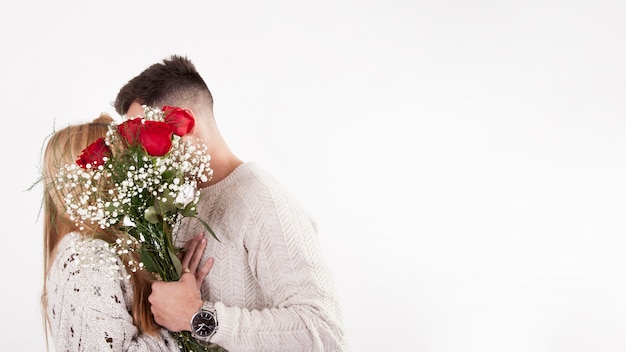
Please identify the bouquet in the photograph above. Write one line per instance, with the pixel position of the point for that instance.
(143, 179)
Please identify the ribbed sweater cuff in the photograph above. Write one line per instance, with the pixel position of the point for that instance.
(226, 321)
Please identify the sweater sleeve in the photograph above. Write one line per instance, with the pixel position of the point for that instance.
(88, 311)
(284, 255)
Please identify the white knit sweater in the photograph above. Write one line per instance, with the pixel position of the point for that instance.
(88, 305)
(270, 284)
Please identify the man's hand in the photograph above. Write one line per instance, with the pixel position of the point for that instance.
(174, 303)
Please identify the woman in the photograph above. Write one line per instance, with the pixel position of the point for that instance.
(100, 307)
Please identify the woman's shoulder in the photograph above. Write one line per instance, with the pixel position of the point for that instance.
(75, 244)
(85, 270)
(74, 241)
(79, 253)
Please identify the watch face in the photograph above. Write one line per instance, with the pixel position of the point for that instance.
(203, 323)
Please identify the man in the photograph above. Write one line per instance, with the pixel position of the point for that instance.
(269, 288)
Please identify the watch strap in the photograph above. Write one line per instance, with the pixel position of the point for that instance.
(209, 306)
(206, 307)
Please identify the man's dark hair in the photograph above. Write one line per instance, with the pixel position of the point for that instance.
(175, 81)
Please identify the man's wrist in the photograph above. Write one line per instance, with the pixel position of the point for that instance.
(204, 323)
(193, 309)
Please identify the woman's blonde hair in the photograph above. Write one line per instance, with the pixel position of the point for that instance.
(64, 147)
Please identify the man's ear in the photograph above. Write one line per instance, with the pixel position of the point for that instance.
(190, 112)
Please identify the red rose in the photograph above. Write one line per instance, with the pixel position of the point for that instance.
(94, 154)
(179, 119)
(156, 137)
(129, 130)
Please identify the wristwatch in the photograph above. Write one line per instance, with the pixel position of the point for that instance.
(204, 322)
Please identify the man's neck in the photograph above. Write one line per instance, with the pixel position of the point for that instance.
(222, 166)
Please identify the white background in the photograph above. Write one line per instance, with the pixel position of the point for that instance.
(465, 159)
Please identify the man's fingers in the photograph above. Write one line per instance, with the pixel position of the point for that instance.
(187, 279)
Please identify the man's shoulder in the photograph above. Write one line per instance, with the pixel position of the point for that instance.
(250, 176)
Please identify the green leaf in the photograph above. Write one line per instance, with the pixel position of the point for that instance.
(189, 211)
(169, 174)
(166, 206)
(149, 263)
(151, 215)
(207, 227)
(176, 262)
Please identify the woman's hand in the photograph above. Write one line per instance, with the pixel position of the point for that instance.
(194, 250)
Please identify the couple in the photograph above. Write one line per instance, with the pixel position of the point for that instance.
(264, 286)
